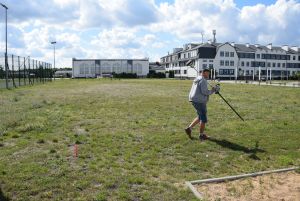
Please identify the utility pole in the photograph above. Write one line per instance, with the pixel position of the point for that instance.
(6, 63)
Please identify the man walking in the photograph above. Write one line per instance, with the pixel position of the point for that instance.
(199, 96)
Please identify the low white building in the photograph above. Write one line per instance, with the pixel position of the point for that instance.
(91, 68)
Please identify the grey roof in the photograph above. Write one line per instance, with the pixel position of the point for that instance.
(208, 45)
(244, 48)
(291, 51)
(154, 66)
(239, 48)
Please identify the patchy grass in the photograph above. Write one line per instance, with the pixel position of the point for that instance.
(130, 138)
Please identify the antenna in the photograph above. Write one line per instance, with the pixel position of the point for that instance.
(202, 33)
(214, 33)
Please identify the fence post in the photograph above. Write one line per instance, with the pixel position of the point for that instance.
(51, 72)
(19, 71)
(6, 71)
(38, 70)
(24, 71)
(46, 71)
(13, 70)
(29, 75)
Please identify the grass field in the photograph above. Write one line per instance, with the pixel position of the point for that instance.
(130, 138)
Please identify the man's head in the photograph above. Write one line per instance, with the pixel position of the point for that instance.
(205, 73)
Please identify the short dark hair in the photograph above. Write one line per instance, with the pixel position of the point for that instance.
(205, 70)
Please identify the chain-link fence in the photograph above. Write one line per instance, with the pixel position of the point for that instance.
(23, 71)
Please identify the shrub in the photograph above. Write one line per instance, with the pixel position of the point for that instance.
(153, 74)
(171, 74)
(125, 75)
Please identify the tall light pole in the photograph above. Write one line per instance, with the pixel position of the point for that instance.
(53, 43)
(6, 64)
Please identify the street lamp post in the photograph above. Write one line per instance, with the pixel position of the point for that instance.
(6, 64)
(53, 43)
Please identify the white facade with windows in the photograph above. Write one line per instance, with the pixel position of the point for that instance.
(226, 61)
(91, 68)
(235, 61)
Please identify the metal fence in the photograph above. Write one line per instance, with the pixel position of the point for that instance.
(23, 71)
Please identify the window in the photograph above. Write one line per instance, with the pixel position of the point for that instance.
(211, 65)
(204, 66)
(278, 64)
(274, 65)
(226, 54)
(258, 56)
(81, 70)
(269, 64)
(273, 56)
(247, 64)
(87, 69)
(283, 65)
(92, 70)
(189, 55)
(213, 60)
(204, 60)
(277, 56)
(226, 72)
(231, 54)
(242, 64)
(294, 57)
(184, 56)
(185, 72)
(231, 63)
(222, 63)
(226, 63)
(298, 58)
(222, 54)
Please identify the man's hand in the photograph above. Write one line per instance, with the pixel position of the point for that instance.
(217, 89)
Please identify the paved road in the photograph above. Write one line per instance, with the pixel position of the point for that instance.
(273, 83)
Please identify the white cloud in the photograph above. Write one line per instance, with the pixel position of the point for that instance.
(275, 23)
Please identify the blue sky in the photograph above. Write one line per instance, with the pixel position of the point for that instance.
(144, 28)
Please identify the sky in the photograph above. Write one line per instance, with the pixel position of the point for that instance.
(99, 29)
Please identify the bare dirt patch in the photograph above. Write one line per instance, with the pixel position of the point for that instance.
(271, 187)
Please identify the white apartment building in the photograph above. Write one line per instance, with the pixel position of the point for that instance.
(235, 61)
(91, 68)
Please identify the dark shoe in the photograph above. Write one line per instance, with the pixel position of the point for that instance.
(188, 131)
(203, 137)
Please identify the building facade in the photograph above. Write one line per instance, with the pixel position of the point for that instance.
(91, 68)
(234, 61)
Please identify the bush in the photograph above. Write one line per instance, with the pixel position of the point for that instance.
(125, 75)
(153, 74)
(171, 74)
(295, 76)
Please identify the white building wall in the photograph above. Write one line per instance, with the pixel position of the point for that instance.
(84, 68)
(92, 68)
(231, 67)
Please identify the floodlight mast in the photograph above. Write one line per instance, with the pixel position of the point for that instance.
(6, 63)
